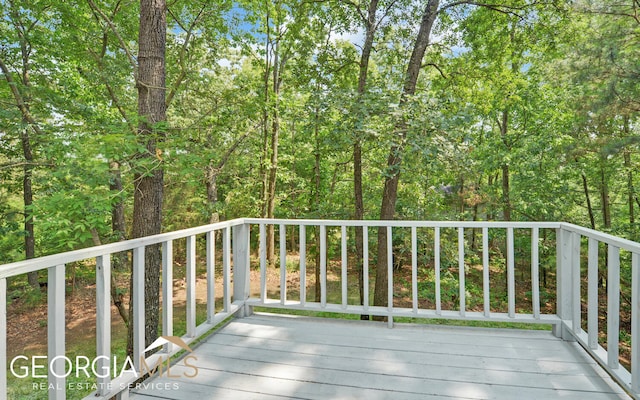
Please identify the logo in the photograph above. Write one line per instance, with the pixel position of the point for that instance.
(101, 367)
(162, 340)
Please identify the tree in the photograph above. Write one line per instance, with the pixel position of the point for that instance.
(369, 19)
(394, 160)
(149, 174)
(22, 27)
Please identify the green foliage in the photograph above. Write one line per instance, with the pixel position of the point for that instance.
(561, 77)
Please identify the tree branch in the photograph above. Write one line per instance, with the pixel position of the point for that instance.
(183, 51)
(20, 103)
(235, 145)
(111, 91)
(357, 7)
(385, 14)
(436, 67)
(112, 26)
(19, 164)
(501, 8)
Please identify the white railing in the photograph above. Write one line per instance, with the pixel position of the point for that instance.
(434, 246)
(108, 386)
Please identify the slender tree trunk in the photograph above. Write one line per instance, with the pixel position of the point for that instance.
(273, 166)
(506, 200)
(394, 160)
(631, 193)
(27, 191)
(118, 226)
(316, 200)
(211, 174)
(490, 181)
(27, 181)
(461, 216)
(118, 229)
(585, 187)
(357, 145)
(630, 188)
(506, 197)
(20, 91)
(604, 196)
(149, 176)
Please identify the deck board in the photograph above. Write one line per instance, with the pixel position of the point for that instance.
(269, 357)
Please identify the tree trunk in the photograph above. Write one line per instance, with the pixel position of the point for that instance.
(316, 200)
(604, 196)
(506, 198)
(390, 192)
(631, 193)
(273, 166)
(585, 187)
(149, 176)
(27, 191)
(264, 156)
(22, 102)
(630, 189)
(118, 226)
(211, 174)
(489, 210)
(371, 28)
(118, 229)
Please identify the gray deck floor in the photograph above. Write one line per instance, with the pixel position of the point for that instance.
(281, 357)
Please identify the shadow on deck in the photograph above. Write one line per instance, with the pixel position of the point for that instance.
(268, 356)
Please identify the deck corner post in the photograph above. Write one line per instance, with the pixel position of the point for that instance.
(241, 267)
(564, 293)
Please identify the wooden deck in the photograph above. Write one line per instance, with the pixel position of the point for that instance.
(281, 357)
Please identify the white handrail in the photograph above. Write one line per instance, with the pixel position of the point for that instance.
(236, 239)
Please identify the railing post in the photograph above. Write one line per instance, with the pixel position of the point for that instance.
(3, 337)
(283, 263)
(303, 265)
(592, 294)
(211, 276)
(241, 262)
(167, 292)
(365, 268)
(576, 298)
(436, 264)
(323, 266)
(103, 322)
(535, 270)
(511, 274)
(563, 284)
(263, 263)
(635, 323)
(613, 307)
(56, 332)
(226, 269)
(343, 267)
(190, 281)
(137, 296)
(461, 273)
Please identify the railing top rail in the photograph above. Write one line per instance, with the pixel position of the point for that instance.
(25, 266)
(36, 264)
(405, 224)
(607, 238)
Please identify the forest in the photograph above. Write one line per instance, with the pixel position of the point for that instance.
(515, 110)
